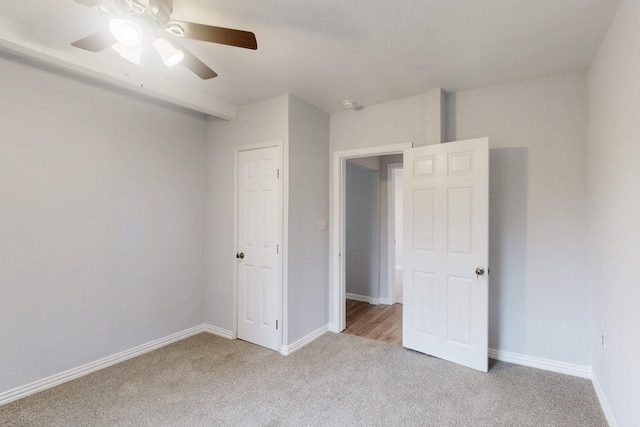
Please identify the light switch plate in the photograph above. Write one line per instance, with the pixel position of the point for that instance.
(322, 224)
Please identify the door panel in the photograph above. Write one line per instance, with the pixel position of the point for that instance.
(445, 239)
(259, 272)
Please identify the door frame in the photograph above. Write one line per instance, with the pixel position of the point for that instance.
(391, 230)
(281, 288)
(337, 286)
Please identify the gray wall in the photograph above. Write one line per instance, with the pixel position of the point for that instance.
(401, 120)
(614, 213)
(307, 294)
(539, 304)
(304, 129)
(101, 222)
(362, 231)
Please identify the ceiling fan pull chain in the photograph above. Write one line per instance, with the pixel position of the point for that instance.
(142, 69)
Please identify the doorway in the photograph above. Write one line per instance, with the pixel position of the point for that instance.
(385, 270)
(370, 247)
(445, 221)
(362, 230)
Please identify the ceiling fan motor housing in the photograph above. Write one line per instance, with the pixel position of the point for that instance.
(159, 10)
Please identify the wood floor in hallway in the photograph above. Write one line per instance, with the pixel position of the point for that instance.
(378, 322)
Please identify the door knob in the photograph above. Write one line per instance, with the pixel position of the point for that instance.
(240, 255)
(479, 271)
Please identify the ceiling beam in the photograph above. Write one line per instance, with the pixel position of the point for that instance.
(23, 41)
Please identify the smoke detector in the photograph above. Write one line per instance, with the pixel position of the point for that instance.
(349, 103)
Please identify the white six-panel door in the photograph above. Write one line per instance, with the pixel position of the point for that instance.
(446, 188)
(259, 256)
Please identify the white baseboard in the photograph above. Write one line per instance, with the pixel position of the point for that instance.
(604, 403)
(539, 363)
(286, 350)
(224, 333)
(363, 298)
(72, 374)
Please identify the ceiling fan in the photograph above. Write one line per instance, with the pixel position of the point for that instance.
(134, 20)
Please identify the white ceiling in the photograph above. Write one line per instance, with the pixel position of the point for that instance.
(324, 51)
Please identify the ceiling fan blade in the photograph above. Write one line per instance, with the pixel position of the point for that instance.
(198, 67)
(96, 42)
(213, 34)
(191, 62)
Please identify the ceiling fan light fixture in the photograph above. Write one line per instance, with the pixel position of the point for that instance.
(127, 32)
(141, 21)
(169, 54)
(130, 54)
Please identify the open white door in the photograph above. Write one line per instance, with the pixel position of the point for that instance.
(259, 257)
(446, 231)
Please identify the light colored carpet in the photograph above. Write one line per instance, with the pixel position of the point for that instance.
(339, 379)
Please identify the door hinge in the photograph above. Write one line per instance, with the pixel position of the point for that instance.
(278, 173)
(276, 324)
(277, 249)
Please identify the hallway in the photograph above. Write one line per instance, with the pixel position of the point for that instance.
(377, 322)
